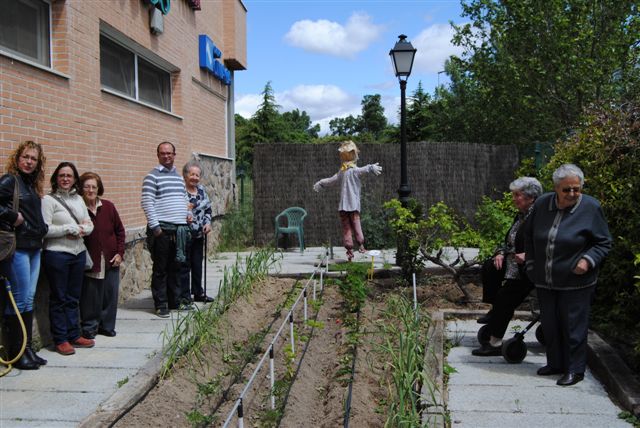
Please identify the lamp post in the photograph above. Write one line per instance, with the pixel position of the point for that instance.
(402, 56)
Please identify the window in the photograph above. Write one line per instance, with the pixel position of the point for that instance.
(24, 29)
(128, 73)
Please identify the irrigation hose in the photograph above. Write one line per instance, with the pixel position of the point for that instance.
(24, 332)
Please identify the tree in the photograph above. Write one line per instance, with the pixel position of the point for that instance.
(267, 117)
(297, 127)
(529, 68)
(344, 126)
(373, 121)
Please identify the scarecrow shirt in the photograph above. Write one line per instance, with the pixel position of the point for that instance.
(349, 180)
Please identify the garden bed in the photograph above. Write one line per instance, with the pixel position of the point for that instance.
(313, 382)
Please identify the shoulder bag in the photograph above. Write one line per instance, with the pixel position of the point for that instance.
(8, 238)
(88, 263)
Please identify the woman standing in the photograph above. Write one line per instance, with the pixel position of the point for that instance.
(26, 166)
(567, 238)
(524, 192)
(200, 207)
(99, 297)
(64, 256)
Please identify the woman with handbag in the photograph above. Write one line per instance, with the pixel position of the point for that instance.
(105, 246)
(23, 184)
(65, 257)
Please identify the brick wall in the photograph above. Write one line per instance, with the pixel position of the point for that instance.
(67, 112)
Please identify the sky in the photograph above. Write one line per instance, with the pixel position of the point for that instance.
(324, 56)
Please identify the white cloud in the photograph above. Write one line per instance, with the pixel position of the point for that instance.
(321, 102)
(332, 38)
(434, 47)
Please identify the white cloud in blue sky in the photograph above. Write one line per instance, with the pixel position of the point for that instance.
(331, 38)
(323, 57)
(434, 47)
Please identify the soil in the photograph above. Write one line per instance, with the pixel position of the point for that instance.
(317, 395)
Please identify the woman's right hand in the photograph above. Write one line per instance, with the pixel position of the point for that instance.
(19, 220)
(498, 260)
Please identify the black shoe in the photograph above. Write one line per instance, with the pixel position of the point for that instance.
(163, 312)
(487, 351)
(26, 363)
(548, 371)
(203, 298)
(108, 333)
(485, 318)
(570, 379)
(34, 357)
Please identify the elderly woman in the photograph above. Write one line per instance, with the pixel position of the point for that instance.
(566, 240)
(25, 167)
(105, 246)
(64, 257)
(524, 192)
(200, 207)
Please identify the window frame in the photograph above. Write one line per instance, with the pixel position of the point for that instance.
(139, 52)
(47, 45)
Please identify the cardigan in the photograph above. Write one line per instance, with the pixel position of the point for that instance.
(108, 236)
(62, 224)
(556, 239)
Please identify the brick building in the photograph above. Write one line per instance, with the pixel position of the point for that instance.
(102, 82)
(97, 85)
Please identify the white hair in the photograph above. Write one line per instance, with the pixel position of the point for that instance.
(567, 170)
(528, 185)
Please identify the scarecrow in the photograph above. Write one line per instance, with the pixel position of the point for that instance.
(348, 178)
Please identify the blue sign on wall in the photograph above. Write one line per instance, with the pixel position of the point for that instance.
(208, 52)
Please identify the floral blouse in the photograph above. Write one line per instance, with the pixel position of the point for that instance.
(200, 209)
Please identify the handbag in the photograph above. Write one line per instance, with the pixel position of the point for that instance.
(8, 238)
(88, 263)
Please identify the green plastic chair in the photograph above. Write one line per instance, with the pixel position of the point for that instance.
(295, 224)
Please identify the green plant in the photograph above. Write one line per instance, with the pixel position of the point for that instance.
(196, 418)
(236, 233)
(630, 418)
(405, 336)
(122, 382)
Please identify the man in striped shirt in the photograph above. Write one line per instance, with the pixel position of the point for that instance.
(165, 205)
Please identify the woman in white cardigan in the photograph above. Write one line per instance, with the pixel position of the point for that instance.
(64, 256)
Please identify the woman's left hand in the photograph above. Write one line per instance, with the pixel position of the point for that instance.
(582, 267)
(206, 229)
(116, 260)
(519, 258)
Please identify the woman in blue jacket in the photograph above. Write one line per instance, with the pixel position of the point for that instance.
(566, 240)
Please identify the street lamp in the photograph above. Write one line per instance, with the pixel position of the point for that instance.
(402, 56)
(240, 173)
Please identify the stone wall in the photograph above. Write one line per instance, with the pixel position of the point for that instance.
(457, 173)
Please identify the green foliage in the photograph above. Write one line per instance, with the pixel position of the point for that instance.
(353, 288)
(407, 223)
(375, 226)
(236, 233)
(530, 67)
(373, 119)
(606, 147)
(630, 418)
(493, 220)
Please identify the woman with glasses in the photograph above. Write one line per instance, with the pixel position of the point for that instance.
(105, 246)
(64, 257)
(25, 167)
(566, 240)
(510, 260)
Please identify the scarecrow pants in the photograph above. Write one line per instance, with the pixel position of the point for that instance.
(351, 225)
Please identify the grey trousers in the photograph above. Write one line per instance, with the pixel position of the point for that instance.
(565, 324)
(99, 303)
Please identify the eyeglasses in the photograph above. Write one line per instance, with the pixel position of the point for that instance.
(575, 189)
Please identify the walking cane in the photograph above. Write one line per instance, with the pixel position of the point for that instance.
(205, 265)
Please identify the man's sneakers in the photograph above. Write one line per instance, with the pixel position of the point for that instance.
(163, 312)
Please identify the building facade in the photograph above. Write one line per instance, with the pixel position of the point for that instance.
(102, 83)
